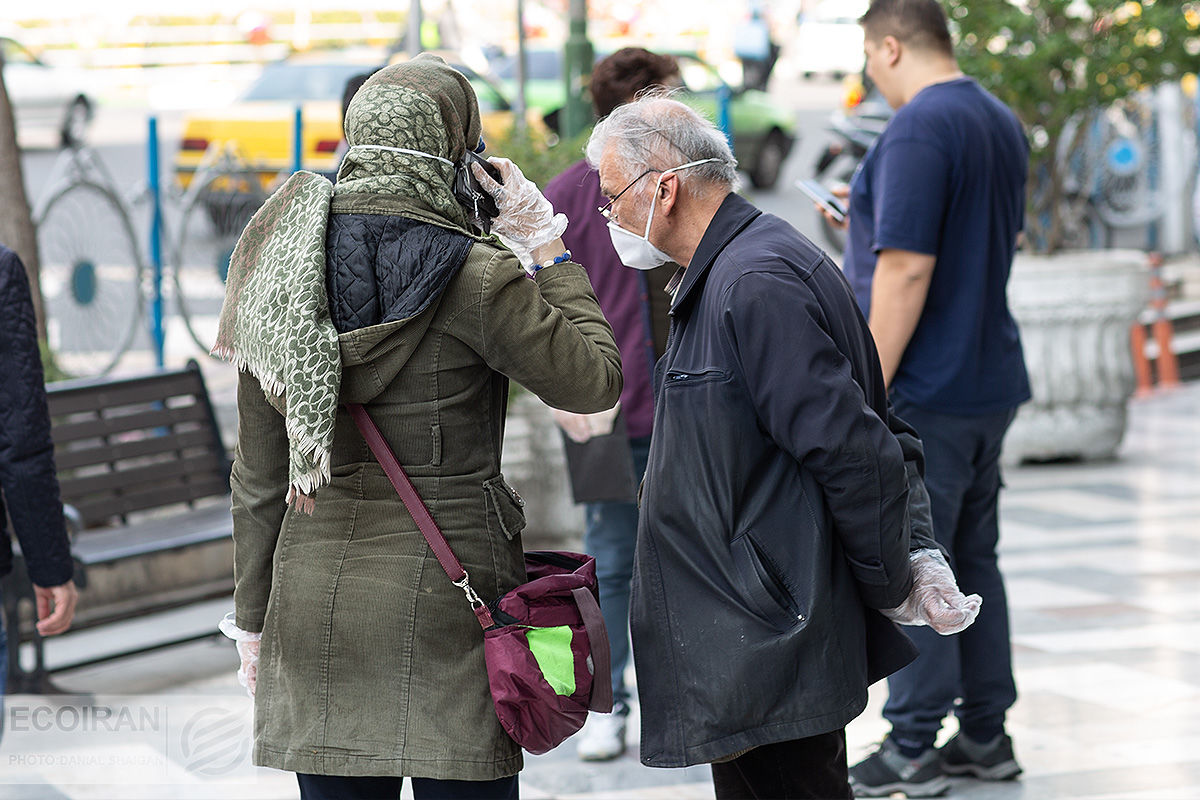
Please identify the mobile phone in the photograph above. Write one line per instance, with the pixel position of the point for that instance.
(488, 166)
(823, 197)
(480, 206)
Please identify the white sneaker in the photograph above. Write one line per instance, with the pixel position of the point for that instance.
(602, 738)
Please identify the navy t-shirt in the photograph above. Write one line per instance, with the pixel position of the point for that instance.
(947, 178)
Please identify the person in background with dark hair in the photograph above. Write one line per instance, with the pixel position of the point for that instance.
(606, 453)
(935, 211)
(352, 85)
(28, 482)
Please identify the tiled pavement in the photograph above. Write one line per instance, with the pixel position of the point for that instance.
(1103, 568)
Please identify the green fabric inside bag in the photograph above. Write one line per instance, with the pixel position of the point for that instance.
(551, 648)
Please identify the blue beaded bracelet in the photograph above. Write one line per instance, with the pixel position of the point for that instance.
(566, 256)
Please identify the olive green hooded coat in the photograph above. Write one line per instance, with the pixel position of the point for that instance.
(371, 661)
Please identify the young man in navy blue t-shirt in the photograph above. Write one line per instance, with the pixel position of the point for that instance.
(935, 212)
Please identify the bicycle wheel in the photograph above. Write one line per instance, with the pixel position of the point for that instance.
(209, 227)
(91, 278)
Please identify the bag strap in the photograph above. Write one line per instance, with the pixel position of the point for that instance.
(419, 511)
(597, 633)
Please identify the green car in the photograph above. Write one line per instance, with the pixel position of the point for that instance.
(763, 133)
(544, 90)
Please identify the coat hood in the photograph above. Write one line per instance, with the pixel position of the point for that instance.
(385, 275)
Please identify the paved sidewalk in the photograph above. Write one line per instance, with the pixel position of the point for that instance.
(1103, 567)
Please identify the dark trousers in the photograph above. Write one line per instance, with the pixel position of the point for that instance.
(3, 665)
(339, 787)
(962, 472)
(804, 769)
(610, 536)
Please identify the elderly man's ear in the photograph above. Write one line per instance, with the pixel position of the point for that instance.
(668, 192)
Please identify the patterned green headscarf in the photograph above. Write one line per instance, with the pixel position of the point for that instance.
(275, 320)
(421, 105)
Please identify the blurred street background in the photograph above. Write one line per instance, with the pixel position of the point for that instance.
(232, 86)
(224, 83)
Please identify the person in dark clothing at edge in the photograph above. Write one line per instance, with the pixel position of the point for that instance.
(606, 452)
(935, 212)
(783, 506)
(28, 482)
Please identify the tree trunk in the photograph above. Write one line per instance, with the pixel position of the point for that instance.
(1054, 233)
(1035, 206)
(16, 222)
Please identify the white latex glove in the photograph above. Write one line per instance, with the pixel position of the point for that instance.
(527, 220)
(248, 644)
(581, 427)
(935, 599)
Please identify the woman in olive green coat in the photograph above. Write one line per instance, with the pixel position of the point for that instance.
(381, 292)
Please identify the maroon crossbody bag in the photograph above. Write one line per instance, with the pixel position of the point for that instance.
(544, 642)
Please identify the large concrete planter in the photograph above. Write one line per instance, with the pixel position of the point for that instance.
(534, 464)
(1075, 311)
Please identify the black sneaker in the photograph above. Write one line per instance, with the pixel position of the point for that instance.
(992, 761)
(887, 771)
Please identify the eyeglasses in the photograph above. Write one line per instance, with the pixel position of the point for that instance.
(606, 209)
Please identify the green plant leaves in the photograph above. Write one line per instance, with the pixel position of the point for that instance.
(1054, 61)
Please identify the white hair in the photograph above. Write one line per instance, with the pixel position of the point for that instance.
(657, 132)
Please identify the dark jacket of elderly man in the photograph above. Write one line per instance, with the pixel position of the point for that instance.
(782, 497)
(777, 487)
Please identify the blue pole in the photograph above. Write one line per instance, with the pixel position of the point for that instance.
(724, 95)
(1154, 233)
(156, 311)
(298, 140)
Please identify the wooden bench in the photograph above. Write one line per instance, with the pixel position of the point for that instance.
(145, 486)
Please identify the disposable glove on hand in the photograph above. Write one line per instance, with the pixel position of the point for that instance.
(248, 644)
(527, 220)
(935, 599)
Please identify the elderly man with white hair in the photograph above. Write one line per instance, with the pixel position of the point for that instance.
(784, 524)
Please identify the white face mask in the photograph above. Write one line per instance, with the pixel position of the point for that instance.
(417, 153)
(637, 251)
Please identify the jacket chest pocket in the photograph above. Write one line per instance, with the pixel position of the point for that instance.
(679, 377)
(506, 504)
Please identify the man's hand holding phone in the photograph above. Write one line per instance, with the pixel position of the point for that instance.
(833, 203)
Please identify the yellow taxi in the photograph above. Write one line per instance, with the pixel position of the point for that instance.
(258, 131)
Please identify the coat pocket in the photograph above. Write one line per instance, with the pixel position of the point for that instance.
(678, 377)
(507, 505)
(762, 584)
